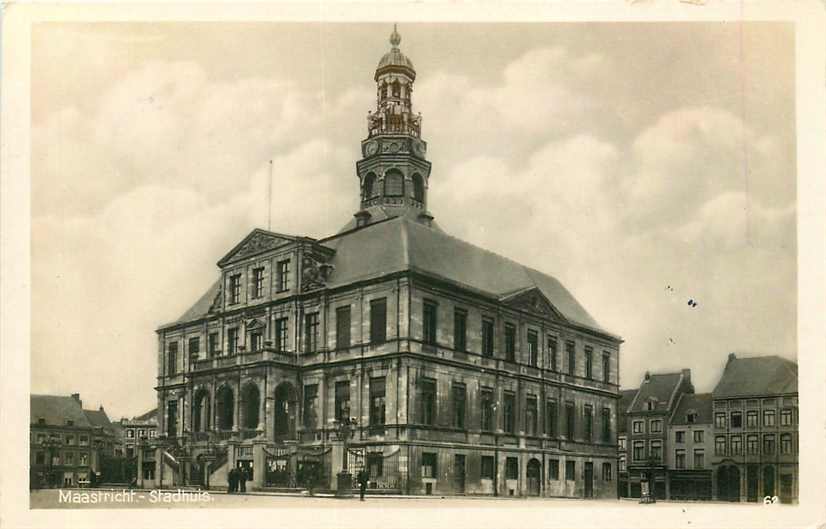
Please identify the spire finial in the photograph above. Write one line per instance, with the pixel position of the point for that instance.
(395, 38)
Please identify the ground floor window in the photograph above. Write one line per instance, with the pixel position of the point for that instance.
(570, 470)
(606, 472)
(512, 468)
(553, 469)
(487, 467)
(429, 465)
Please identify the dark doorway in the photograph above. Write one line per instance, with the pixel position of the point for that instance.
(752, 482)
(728, 483)
(226, 408)
(534, 476)
(768, 481)
(589, 480)
(459, 473)
(251, 401)
(285, 403)
(786, 488)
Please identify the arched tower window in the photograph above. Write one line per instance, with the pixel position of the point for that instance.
(225, 404)
(393, 183)
(252, 402)
(369, 186)
(397, 89)
(418, 187)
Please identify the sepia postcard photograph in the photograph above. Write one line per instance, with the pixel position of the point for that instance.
(414, 265)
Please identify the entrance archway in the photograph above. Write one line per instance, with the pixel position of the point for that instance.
(728, 483)
(251, 403)
(200, 412)
(225, 404)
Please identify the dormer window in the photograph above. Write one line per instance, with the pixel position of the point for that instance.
(651, 405)
(70, 422)
(691, 417)
(41, 421)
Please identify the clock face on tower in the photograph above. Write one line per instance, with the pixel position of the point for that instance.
(371, 148)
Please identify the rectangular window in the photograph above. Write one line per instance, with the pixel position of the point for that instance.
(606, 425)
(607, 472)
(235, 288)
(378, 321)
(751, 419)
(570, 350)
(459, 405)
(657, 450)
(699, 459)
(751, 444)
(487, 337)
(622, 465)
(768, 417)
(679, 437)
(736, 445)
(637, 427)
(508, 411)
(310, 405)
(377, 405)
(785, 417)
(460, 330)
(283, 276)
(511, 468)
(428, 401)
(698, 436)
(589, 423)
(720, 420)
(768, 444)
(570, 419)
(281, 334)
(257, 282)
(487, 467)
(531, 416)
(256, 341)
(39, 458)
(570, 470)
(70, 439)
(621, 441)
(343, 327)
(172, 359)
(172, 418)
(84, 440)
(194, 346)
(552, 346)
(553, 469)
(486, 397)
(551, 421)
(311, 332)
(656, 426)
(429, 469)
(736, 419)
(342, 402)
(430, 320)
(786, 443)
(84, 459)
(232, 340)
(375, 465)
(510, 342)
(679, 458)
(720, 445)
(213, 343)
(589, 362)
(69, 459)
(639, 450)
(606, 367)
(533, 349)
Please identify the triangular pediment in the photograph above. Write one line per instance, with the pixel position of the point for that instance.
(532, 300)
(258, 241)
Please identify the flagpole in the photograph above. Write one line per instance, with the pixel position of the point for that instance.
(269, 200)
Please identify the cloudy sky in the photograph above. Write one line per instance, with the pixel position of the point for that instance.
(642, 164)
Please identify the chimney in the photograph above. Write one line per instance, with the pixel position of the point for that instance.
(76, 396)
(647, 376)
(731, 356)
(101, 407)
(687, 375)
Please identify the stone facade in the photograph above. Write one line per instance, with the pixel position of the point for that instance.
(464, 372)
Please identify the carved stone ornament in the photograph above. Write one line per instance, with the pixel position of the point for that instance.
(315, 272)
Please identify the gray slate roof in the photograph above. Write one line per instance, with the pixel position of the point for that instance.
(151, 415)
(98, 418)
(56, 409)
(661, 387)
(400, 244)
(626, 398)
(759, 375)
(701, 403)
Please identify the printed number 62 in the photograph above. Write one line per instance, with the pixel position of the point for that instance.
(769, 500)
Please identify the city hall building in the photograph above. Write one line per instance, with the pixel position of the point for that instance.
(465, 372)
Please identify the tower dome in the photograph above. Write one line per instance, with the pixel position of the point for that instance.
(395, 60)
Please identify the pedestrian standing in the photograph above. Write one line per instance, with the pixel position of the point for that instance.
(242, 477)
(362, 479)
(232, 480)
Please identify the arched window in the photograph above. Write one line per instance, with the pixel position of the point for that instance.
(225, 404)
(251, 399)
(393, 184)
(418, 187)
(397, 89)
(369, 186)
(200, 413)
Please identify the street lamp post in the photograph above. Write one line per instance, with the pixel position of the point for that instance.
(345, 428)
(495, 407)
